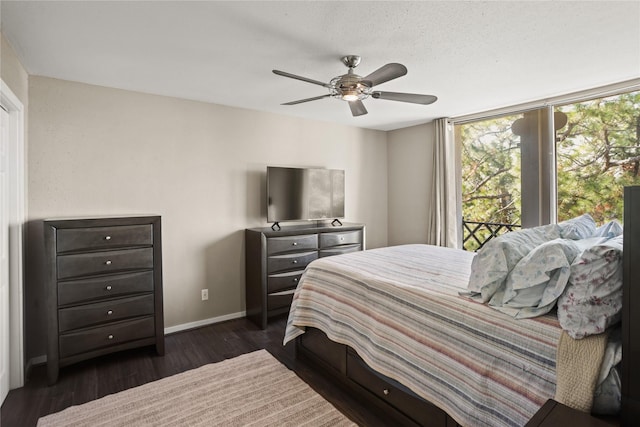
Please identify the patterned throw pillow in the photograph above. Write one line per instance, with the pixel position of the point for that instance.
(592, 300)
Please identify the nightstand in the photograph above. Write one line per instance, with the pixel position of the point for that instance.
(554, 414)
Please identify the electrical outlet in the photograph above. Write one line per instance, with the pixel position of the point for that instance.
(205, 294)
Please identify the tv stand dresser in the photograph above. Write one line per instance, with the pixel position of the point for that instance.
(275, 260)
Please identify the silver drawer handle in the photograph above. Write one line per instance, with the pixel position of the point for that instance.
(295, 261)
(386, 391)
(108, 262)
(108, 287)
(110, 337)
(107, 237)
(295, 279)
(295, 243)
(109, 313)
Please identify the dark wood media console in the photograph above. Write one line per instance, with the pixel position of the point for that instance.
(276, 259)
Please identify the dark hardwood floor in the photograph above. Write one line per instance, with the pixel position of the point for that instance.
(96, 378)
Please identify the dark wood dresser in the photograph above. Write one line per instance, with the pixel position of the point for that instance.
(275, 260)
(104, 287)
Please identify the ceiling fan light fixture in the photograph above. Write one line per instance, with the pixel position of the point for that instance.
(350, 95)
(349, 87)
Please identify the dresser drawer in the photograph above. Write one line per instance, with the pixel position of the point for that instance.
(86, 315)
(101, 238)
(104, 262)
(339, 250)
(282, 281)
(279, 300)
(105, 336)
(407, 402)
(295, 261)
(340, 238)
(83, 290)
(278, 245)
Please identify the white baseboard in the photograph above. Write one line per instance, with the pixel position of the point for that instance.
(40, 360)
(205, 322)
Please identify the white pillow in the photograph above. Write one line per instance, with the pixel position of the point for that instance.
(592, 301)
(536, 282)
(580, 227)
(494, 261)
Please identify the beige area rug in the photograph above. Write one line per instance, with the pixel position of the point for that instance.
(250, 390)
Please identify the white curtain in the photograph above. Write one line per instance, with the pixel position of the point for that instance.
(445, 216)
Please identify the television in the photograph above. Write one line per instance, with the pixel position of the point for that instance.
(299, 194)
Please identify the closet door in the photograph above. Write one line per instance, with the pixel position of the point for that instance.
(4, 254)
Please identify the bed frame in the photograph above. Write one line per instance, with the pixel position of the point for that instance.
(630, 412)
(406, 408)
(398, 403)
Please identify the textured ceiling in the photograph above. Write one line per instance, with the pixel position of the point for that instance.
(473, 56)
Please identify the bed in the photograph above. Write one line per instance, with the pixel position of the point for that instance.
(399, 326)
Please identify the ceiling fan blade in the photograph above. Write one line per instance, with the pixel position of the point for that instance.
(357, 108)
(304, 79)
(307, 100)
(386, 73)
(405, 97)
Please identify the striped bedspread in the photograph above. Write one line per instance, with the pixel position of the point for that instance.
(399, 308)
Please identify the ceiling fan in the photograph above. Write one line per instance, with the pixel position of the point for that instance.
(352, 88)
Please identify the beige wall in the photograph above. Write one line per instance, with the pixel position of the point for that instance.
(15, 76)
(410, 152)
(97, 151)
(13, 73)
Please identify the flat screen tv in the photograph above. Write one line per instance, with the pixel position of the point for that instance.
(297, 194)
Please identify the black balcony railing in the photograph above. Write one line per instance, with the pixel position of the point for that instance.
(476, 234)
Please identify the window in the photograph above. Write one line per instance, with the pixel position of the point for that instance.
(598, 153)
(491, 179)
(503, 162)
(548, 164)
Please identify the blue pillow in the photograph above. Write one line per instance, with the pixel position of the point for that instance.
(537, 281)
(577, 228)
(609, 230)
(494, 261)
